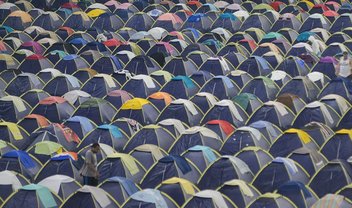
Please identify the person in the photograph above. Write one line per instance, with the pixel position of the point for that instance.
(89, 170)
(344, 67)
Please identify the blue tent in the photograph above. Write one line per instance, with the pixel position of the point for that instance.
(150, 134)
(221, 87)
(224, 169)
(255, 66)
(106, 134)
(20, 162)
(183, 110)
(267, 179)
(298, 193)
(122, 165)
(337, 146)
(340, 175)
(33, 194)
(168, 167)
(244, 137)
(195, 136)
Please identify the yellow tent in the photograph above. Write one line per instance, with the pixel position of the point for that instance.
(95, 13)
(134, 104)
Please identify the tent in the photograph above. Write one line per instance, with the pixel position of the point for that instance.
(140, 110)
(11, 182)
(168, 167)
(240, 77)
(147, 154)
(33, 194)
(287, 20)
(333, 199)
(272, 199)
(294, 66)
(339, 86)
(310, 160)
(244, 137)
(22, 83)
(217, 66)
(227, 21)
(267, 180)
(61, 84)
(318, 112)
(336, 147)
(100, 85)
(160, 99)
(8, 62)
(226, 110)
(150, 197)
(255, 157)
(119, 188)
(140, 22)
(221, 87)
(141, 86)
(343, 21)
(340, 173)
(18, 20)
(169, 22)
(180, 190)
(71, 63)
(108, 22)
(256, 20)
(294, 102)
(161, 76)
(174, 126)
(106, 134)
(298, 193)
(314, 21)
(338, 103)
(180, 66)
(269, 130)
(20, 162)
(274, 112)
(199, 21)
(239, 192)
(150, 134)
(224, 169)
(76, 97)
(32, 97)
(142, 65)
(345, 191)
(262, 87)
(326, 65)
(117, 98)
(127, 125)
(50, 21)
(209, 198)
(255, 66)
(222, 128)
(201, 156)
(61, 185)
(193, 136)
(183, 110)
(181, 87)
(89, 196)
(97, 110)
(78, 21)
(122, 165)
(13, 108)
(291, 140)
(302, 87)
(66, 163)
(56, 109)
